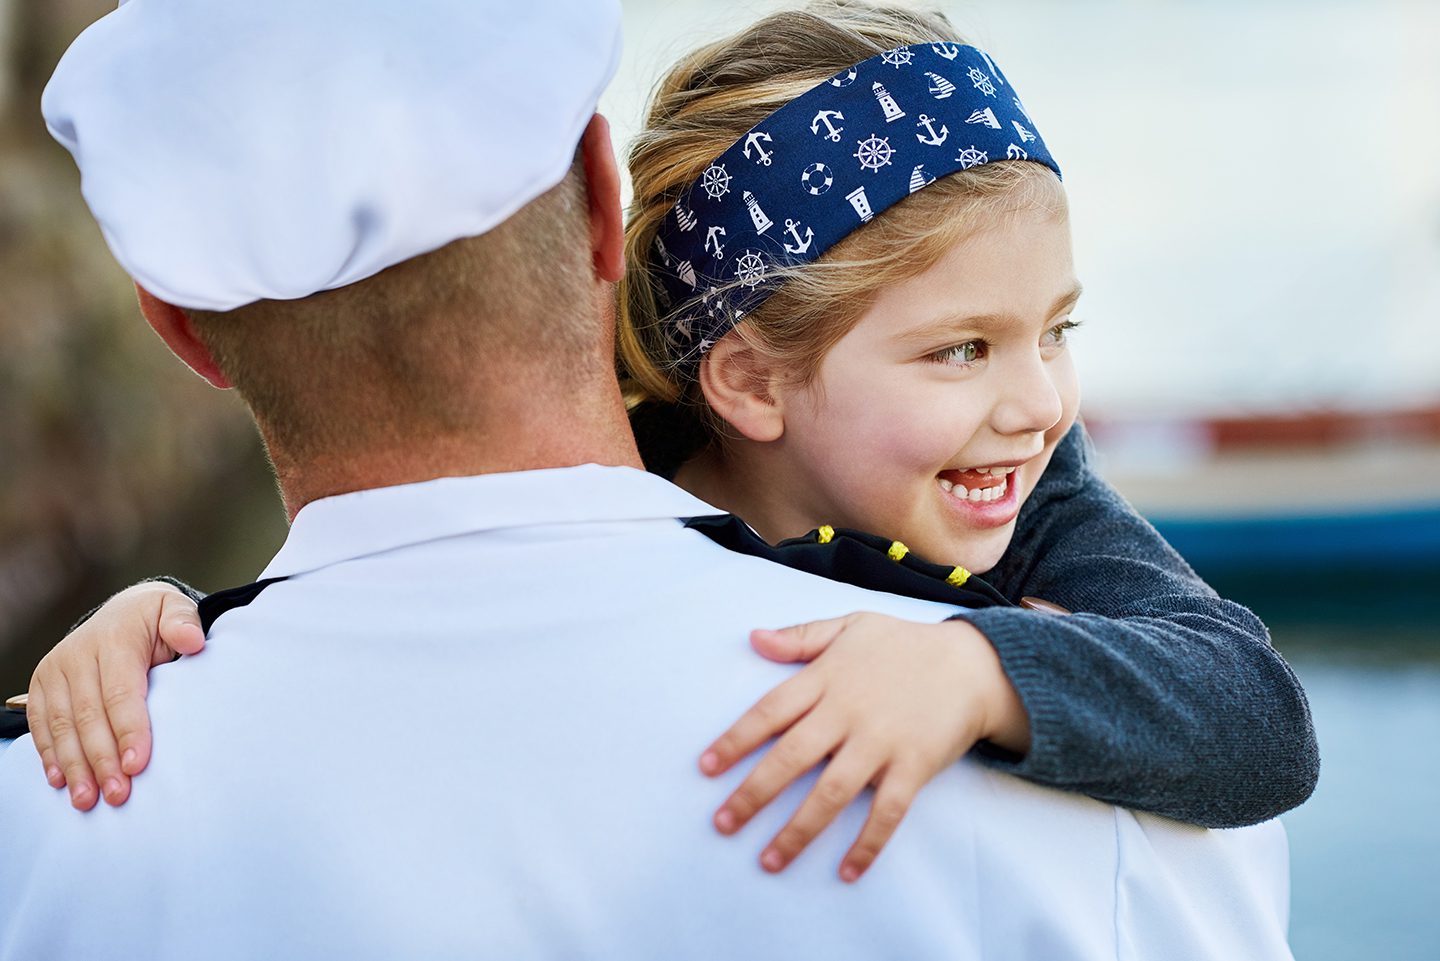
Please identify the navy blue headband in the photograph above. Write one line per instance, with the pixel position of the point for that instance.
(806, 176)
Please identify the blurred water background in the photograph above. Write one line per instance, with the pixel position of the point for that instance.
(1255, 195)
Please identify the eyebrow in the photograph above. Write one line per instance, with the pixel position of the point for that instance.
(949, 324)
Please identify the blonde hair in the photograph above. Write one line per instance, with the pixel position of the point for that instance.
(703, 105)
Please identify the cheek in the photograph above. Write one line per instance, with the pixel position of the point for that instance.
(892, 432)
(1067, 382)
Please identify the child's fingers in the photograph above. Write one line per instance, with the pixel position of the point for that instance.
(802, 747)
(773, 713)
(843, 779)
(69, 755)
(124, 679)
(36, 716)
(97, 740)
(180, 628)
(803, 642)
(893, 797)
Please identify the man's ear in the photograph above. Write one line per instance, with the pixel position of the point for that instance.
(740, 385)
(174, 327)
(602, 183)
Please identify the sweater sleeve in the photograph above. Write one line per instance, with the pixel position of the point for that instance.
(1156, 694)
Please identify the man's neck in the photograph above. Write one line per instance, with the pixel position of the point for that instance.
(588, 426)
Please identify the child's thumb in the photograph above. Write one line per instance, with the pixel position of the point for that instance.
(180, 628)
(803, 642)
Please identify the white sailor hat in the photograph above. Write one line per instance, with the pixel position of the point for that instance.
(238, 150)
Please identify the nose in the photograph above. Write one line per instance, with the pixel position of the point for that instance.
(1029, 400)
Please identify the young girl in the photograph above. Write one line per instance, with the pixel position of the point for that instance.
(848, 299)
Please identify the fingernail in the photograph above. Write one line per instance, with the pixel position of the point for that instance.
(112, 790)
(128, 758)
(709, 762)
(80, 794)
(849, 872)
(771, 860)
(725, 820)
(52, 774)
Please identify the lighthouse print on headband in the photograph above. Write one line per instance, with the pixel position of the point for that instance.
(828, 161)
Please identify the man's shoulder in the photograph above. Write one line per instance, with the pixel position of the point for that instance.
(51, 825)
(594, 568)
(20, 767)
(77, 884)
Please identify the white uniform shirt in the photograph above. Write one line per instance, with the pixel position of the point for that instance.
(467, 727)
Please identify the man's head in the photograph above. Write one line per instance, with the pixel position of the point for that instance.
(429, 344)
(380, 224)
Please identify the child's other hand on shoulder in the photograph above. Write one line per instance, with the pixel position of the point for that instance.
(890, 702)
(86, 706)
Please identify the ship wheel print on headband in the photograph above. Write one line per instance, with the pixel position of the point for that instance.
(828, 161)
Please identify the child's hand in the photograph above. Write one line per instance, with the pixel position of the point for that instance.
(87, 697)
(891, 703)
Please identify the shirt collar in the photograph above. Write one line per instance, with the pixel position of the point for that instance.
(347, 526)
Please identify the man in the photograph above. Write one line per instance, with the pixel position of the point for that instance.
(458, 719)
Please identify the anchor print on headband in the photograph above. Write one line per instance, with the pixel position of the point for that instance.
(931, 137)
(825, 164)
(826, 117)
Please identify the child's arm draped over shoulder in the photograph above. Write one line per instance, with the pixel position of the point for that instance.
(86, 709)
(1157, 694)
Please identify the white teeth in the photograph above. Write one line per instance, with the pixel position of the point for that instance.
(980, 495)
(981, 470)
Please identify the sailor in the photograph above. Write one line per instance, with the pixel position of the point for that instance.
(409, 282)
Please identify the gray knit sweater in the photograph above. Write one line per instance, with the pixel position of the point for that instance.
(1156, 694)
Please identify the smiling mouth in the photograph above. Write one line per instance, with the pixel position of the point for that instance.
(977, 485)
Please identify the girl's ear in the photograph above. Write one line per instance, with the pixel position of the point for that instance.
(739, 385)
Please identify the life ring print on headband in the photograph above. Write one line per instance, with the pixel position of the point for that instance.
(828, 161)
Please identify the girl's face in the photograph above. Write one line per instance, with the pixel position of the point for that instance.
(932, 420)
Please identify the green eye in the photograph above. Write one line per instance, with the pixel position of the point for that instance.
(966, 353)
